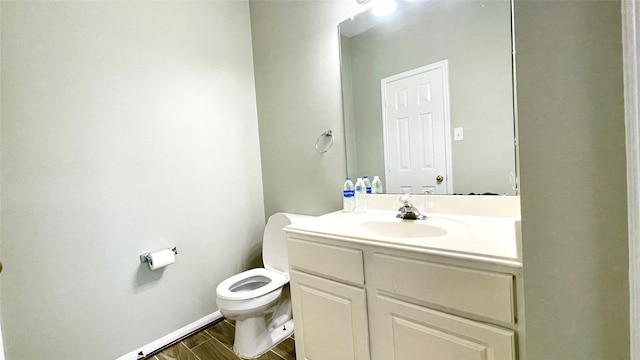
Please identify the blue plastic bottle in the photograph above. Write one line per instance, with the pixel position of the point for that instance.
(348, 196)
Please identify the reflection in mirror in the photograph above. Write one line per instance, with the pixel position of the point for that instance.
(428, 97)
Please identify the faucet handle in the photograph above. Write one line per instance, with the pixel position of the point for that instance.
(405, 200)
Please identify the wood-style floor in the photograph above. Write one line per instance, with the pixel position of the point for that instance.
(216, 343)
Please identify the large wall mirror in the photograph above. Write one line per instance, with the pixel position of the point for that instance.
(428, 97)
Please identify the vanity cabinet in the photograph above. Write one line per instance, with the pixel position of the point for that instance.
(353, 300)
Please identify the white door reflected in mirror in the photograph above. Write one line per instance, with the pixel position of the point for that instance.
(416, 123)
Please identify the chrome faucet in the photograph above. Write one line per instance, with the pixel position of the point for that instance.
(408, 211)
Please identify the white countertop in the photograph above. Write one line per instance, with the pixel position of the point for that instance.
(494, 239)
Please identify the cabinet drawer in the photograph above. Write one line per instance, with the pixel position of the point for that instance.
(330, 261)
(487, 294)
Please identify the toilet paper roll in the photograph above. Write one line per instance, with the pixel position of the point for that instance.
(161, 259)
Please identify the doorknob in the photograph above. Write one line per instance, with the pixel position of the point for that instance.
(439, 179)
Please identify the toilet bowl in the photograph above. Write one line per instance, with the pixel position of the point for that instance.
(258, 299)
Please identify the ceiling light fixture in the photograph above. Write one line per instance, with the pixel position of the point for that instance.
(384, 7)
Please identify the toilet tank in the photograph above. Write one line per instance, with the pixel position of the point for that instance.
(274, 241)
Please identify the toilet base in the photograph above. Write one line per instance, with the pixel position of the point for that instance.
(253, 338)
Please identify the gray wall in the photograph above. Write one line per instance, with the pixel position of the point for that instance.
(573, 176)
(127, 161)
(126, 127)
(295, 49)
(572, 156)
(475, 38)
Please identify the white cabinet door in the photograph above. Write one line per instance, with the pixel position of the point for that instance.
(330, 319)
(404, 331)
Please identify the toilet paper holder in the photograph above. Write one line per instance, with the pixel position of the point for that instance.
(146, 256)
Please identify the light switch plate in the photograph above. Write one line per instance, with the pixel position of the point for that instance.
(458, 134)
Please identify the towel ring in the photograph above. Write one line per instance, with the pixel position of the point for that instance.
(327, 133)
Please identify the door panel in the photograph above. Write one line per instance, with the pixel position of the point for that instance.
(404, 331)
(330, 319)
(416, 130)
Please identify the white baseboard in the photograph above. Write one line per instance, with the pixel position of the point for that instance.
(168, 339)
(1, 345)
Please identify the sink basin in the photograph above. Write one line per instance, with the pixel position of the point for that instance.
(398, 228)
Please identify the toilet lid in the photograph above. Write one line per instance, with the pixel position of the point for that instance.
(274, 241)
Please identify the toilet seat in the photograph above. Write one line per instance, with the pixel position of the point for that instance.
(275, 281)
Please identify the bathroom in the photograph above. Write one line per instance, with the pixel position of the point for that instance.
(131, 126)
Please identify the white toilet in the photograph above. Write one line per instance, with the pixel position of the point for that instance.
(258, 299)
